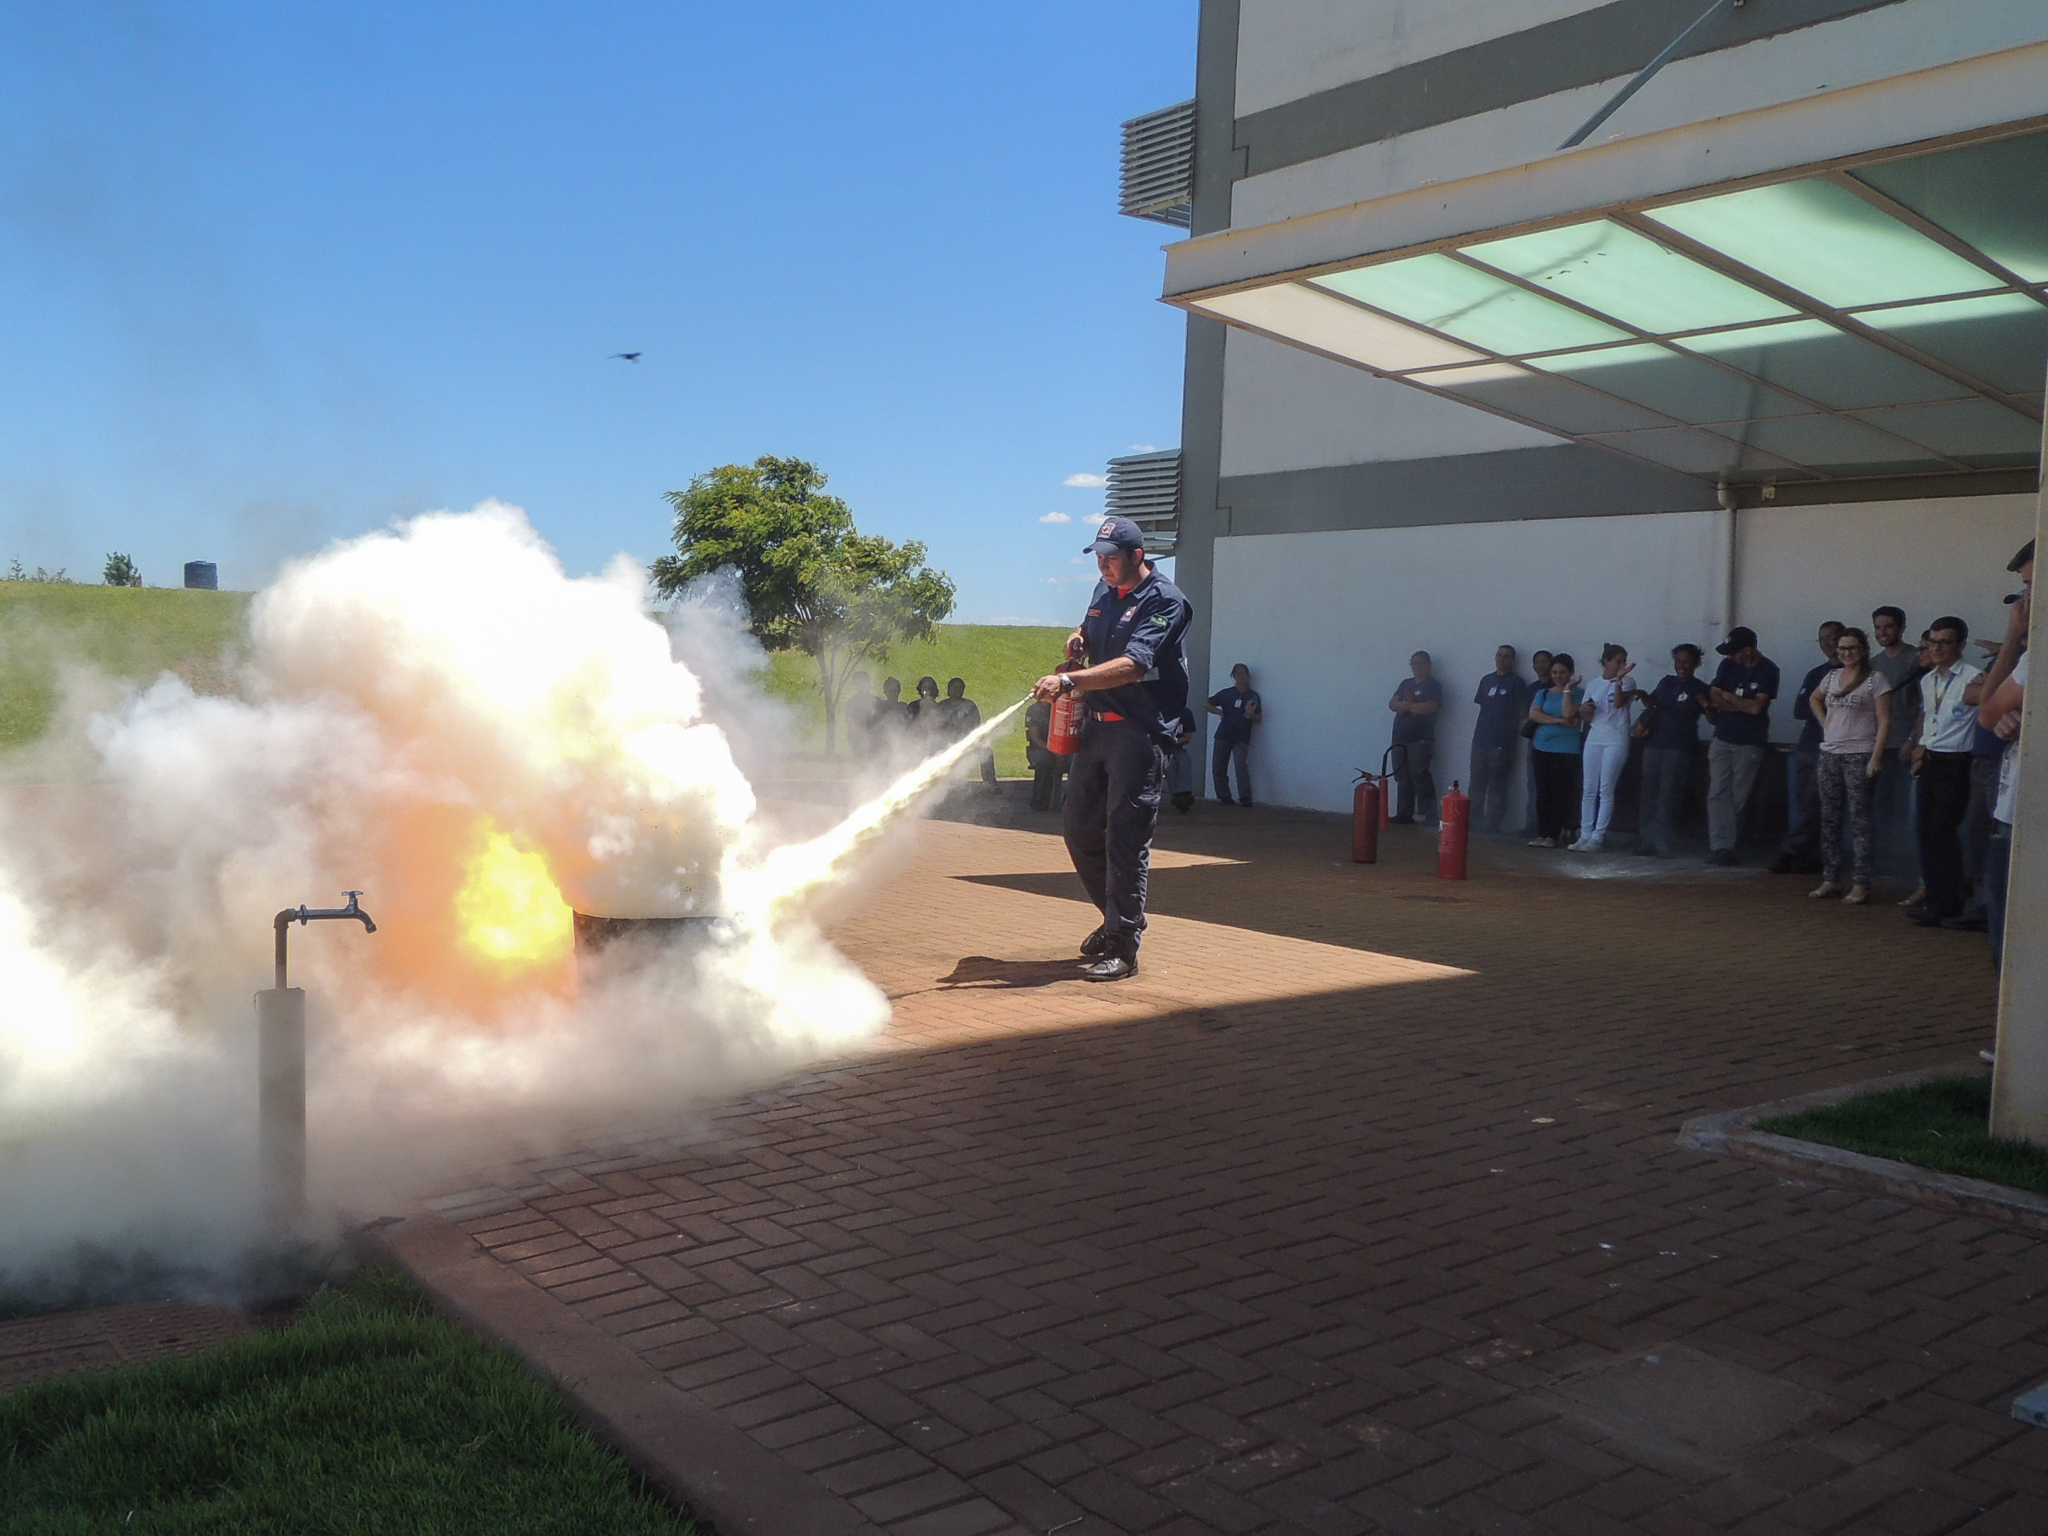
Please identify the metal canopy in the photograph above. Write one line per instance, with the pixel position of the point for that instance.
(1886, 320)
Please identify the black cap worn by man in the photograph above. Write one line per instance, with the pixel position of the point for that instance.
(1135, 680)
(1740, 639)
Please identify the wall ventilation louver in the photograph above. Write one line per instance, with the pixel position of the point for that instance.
(1145, 487)
(1159, 166)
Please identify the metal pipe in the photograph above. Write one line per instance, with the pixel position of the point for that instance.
(1642, 77)
(304, 914)
(281, 1075)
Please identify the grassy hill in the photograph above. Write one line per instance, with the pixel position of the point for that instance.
(129, 632)
(137, 632)
(998, 661)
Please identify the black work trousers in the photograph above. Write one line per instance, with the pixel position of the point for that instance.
(1413, 781)
(1557, 792)
(1112, 806)
(1944, 799)
(1493, 772)
(1802, 823)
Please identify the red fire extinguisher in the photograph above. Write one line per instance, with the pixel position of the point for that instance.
(1365, 819)
(1063, 733)
(1455, 830)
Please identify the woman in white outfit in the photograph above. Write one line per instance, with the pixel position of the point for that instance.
(1609, 697)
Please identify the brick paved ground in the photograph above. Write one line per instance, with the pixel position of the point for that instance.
(1358, 1210)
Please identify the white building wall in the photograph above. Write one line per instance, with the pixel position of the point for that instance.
(1284, 408)
(1327, 621)
(1796, 566)
(1288, 49)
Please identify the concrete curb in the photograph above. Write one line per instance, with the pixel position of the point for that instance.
(713, 1470)
(1732, 1134)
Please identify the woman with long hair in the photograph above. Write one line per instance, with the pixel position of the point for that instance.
(1853, 705)
(1554, 757)
(1608, 700)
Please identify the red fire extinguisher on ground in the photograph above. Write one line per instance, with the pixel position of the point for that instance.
(1063, 733)
(1365, 819)
(1455, 830)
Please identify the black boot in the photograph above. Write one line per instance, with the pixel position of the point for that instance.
(1120, 960)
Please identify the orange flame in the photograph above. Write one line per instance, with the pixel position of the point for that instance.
(509, 909)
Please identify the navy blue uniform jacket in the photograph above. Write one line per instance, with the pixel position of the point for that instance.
(1147, 625)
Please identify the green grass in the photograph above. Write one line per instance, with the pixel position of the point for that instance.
(128, 632)
(1943, 1124)
(999, 662)
(366, 1415)
(137, 632)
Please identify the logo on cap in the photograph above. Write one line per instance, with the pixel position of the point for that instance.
(1108, 527)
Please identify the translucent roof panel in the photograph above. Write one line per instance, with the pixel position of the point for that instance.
(1836, 445)
(1611, 268)
(2000, 340)
(1554, 403)
(1825, 241)
(1826, 364)
(1981, 433)
(1995, 196)
(1314, 319)
(1679, 386)
(1695, 452)
(1826, 327)
(1477, 307)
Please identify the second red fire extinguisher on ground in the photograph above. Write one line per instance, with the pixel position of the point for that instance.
(1454, 832)
(1063, 732)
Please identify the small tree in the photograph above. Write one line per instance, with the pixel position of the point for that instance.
(812, 582)
(120, 571)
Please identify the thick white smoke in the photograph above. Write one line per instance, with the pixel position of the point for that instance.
(439, 717)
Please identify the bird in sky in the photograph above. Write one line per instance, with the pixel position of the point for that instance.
(631, 357)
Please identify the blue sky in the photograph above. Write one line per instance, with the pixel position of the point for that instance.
(279, 274)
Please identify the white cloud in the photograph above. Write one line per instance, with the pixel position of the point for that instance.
(1142, 448)
(1055, 517)
(1086, 482)
(1060, 581)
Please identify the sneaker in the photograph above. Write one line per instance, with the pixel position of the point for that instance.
(1826, 889)
(1542, 842)
(1721, 856)
(1859, 895)
(1926, 917)
(1592, 844)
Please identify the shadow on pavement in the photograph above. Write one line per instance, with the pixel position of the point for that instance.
(986, 971)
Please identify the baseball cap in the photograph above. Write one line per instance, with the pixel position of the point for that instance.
(1740, 638)
(1116, 533)
(2022, 557)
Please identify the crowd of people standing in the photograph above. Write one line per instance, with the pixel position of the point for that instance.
(1904, 747)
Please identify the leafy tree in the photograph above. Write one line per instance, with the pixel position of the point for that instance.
(17, 572)
(120, 571)
(811, 580)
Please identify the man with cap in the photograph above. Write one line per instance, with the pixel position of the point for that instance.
(1740, 701)
(1135, 683)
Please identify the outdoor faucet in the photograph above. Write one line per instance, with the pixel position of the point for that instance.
(303, 914)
